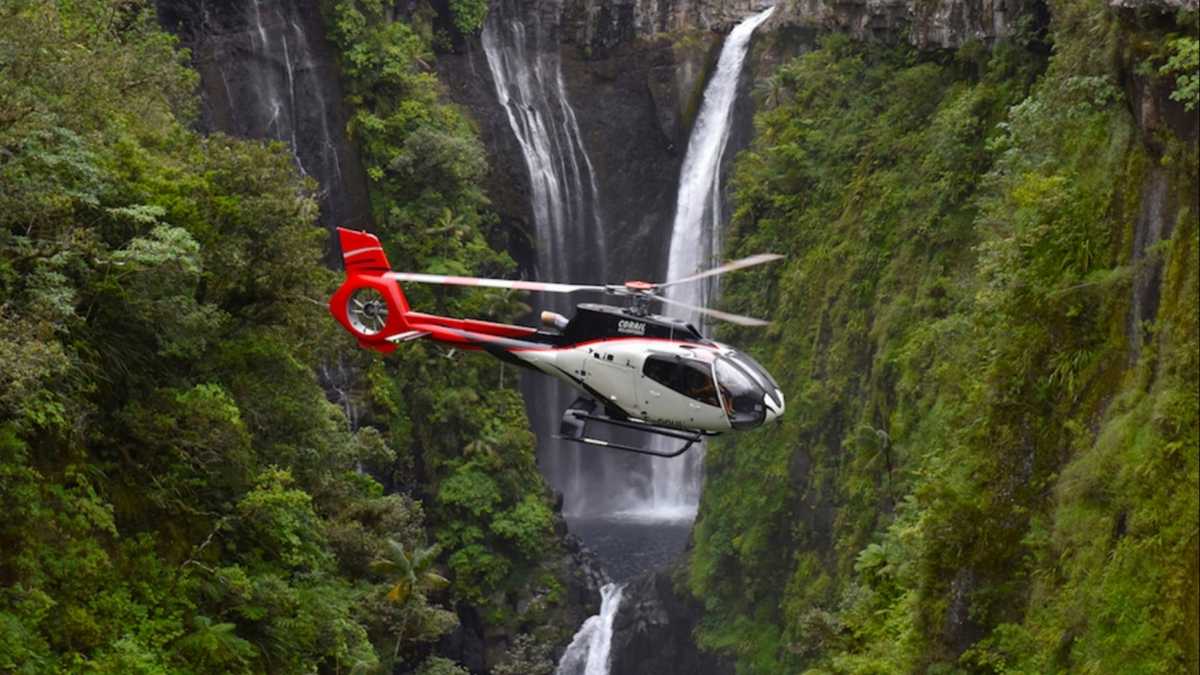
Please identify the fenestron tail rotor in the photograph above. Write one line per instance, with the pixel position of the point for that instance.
(367, 310)
(640, 291)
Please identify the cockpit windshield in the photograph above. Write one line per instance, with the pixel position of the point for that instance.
(760, 375)
(743, 396)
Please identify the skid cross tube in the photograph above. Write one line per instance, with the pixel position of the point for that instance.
(650, 429)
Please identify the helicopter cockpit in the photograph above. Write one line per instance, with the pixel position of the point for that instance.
(749, 395)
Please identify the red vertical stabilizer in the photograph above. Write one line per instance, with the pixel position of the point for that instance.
(358, 304)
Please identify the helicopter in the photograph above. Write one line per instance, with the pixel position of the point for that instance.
(649, 373)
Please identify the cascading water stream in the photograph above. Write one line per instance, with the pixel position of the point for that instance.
(696, 244)
(521, 47)
(589, 651)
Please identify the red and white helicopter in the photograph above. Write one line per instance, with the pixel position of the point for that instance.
(650, 373)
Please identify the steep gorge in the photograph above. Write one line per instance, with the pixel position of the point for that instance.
(860, 472)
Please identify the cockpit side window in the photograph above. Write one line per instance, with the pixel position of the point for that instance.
(661, 370)
(755, 370)
(687, 377)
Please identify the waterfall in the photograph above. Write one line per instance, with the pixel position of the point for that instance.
(588, 653)
(696, 244)
(521, 48)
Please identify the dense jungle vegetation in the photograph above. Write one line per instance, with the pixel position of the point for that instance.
(989, 463)
(178, 493)
(985, 465)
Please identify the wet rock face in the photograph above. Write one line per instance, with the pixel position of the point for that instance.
(266, 71)
(586, 574)
(632, 107)
(925, 24)
(652, 632)
(600, 26)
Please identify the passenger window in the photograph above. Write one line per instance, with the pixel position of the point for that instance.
(689, 378)
(660, 370)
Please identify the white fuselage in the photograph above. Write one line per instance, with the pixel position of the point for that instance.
(614, 369)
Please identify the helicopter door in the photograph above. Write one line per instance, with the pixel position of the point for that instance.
(680, 392)
(605, 373)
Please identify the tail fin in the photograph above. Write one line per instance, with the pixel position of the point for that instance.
(357, 309)
(362, 253)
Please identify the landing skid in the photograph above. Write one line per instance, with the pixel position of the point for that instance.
(576, 418)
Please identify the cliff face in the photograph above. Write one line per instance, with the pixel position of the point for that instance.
(600, 26)
(634, 71)
(940, 24)
(652, 632)
(266, 71)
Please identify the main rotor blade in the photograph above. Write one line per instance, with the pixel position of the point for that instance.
(715, 313)
(518, 284)
(727, 267)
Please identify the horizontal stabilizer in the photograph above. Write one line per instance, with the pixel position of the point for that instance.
(407, 336)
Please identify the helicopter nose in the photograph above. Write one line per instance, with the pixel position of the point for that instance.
(774, 410)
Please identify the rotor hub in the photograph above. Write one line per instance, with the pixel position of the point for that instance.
(639, 286)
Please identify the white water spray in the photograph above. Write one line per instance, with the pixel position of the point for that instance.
(696, 244)
(589, 652)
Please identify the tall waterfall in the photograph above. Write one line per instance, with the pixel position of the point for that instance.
(696, 244)
(588, 653)
(520, 43)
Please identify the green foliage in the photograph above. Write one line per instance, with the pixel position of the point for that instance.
(457, 422)
(526, 656)
(1184, 65)
(972, 474)
(280, 526)
(436, 665)
(421, 154)
(179, 495)
(214, 646)
(469, 15)
(411, 572)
